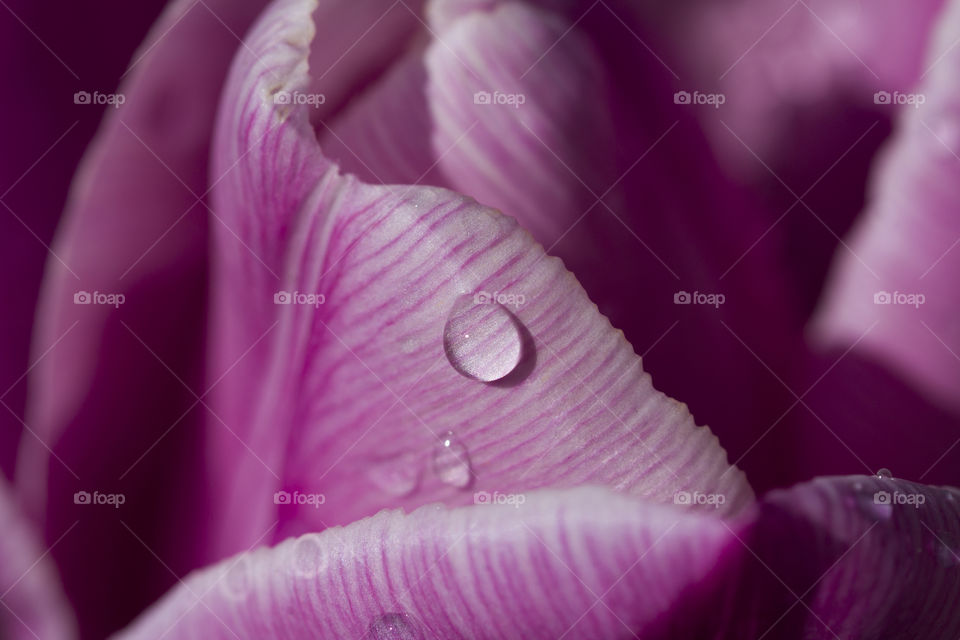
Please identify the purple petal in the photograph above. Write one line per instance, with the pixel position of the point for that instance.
(332, 396)
(896, 286)
(850, 557)
(31, 601)
(108, 402)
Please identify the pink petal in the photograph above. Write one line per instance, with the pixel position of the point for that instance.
(799, 122)
(333, 397)
(597, 118)
(780, 62)
(575, 564)
(828, 559)
(107, 414)
(31, 601)
(897, 283)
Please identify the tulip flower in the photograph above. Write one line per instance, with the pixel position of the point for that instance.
(377, 321)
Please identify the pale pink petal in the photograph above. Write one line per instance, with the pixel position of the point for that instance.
(849, 557)
(896, 285)
(582, 563)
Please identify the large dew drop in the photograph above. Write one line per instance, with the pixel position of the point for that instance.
(393, 626)
(481, 338)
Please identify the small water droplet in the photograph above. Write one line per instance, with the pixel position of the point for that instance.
(481, 338)
(398, 476)
(308, 556)
(237, 581)
(884, 474)
(393, 626)
(451, 462)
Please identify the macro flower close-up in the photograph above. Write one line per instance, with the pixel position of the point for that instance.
(513, 319)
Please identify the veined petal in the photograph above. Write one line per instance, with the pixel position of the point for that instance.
(559, 115)
(359, 378)
(578, 563)
(849, 557)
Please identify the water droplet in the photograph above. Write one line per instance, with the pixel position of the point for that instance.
(884, 474)
(481, 338)
(237, 581)
(451, 462)
(398, 476)
(308, 556)
(393, 626)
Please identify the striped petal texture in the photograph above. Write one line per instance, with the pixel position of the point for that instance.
(836, 558)
(408, 344)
